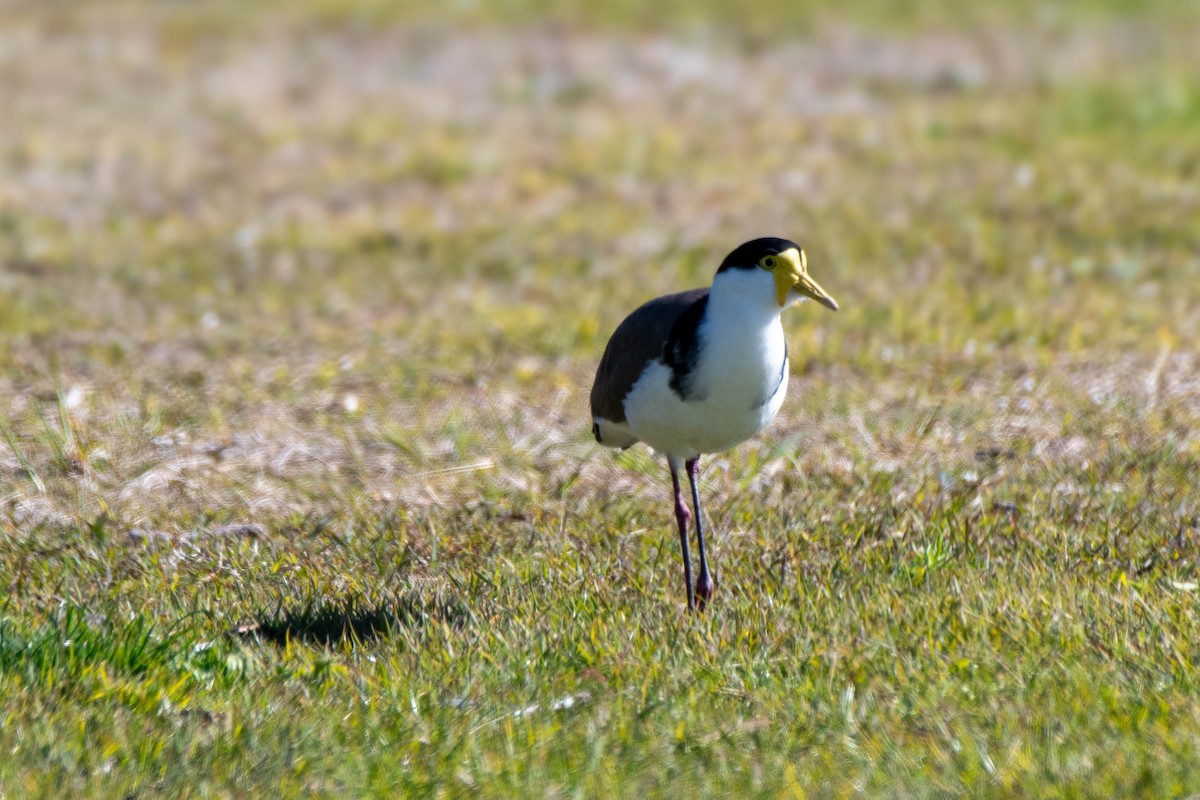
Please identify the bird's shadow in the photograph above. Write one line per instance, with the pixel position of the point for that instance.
(323, 621)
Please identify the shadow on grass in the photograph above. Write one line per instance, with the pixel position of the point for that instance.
(324, 622)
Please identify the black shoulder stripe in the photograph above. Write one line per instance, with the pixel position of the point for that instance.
(682, 351)
(637, 342)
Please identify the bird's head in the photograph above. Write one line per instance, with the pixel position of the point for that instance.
(780, 267)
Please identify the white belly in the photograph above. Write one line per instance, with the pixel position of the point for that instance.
(739, 386)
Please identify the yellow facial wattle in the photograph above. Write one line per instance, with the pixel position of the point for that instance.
(791, 272)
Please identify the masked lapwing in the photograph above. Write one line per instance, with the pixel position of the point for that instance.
(701, 371)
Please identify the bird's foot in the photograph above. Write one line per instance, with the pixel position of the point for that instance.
(705, 588)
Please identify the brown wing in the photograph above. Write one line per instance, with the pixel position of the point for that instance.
(636, 342)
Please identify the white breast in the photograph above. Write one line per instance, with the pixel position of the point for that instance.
(737, 385)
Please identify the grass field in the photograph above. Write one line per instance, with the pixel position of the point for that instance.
(299, 308)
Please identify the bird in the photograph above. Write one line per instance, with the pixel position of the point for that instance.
(700, 371)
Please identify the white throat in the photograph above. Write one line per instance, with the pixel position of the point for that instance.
(744, 295)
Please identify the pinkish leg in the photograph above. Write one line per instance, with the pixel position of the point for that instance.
(683, 517)
(706, 584)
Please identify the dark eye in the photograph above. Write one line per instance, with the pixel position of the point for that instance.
(769, 262)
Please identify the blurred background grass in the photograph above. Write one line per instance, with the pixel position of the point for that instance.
(299, 307)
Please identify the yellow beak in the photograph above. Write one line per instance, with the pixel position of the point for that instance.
(792, 273)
